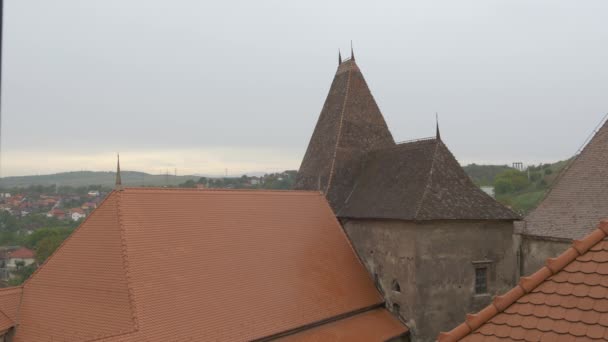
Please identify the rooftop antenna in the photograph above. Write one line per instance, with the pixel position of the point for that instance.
(437, 135)
(352, 54)
(339, 56)
(118, 185)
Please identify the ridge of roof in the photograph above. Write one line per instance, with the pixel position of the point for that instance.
(351, 104)
(125, 258)
(552, 217)
(64, 242)
(526, 285)
(429, 179)
(219, 190)
(339, 133)
(108, 198)
(577, 154)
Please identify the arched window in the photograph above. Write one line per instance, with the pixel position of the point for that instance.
(395, 286)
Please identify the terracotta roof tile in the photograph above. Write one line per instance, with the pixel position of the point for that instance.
(199, 265)
(9, 306)
(565, 300)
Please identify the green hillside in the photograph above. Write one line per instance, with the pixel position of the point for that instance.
(86, 178)
(483, 175)
(519, 190)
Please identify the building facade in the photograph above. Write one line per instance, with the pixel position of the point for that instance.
(436, 245)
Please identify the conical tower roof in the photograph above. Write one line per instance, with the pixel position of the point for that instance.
(350, 125)
(579, 197)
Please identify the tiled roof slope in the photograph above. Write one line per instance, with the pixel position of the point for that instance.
(198, 265)
(566, 300)
(9, 306)
(579, 196)
(419, 180)
(81, 293)
(350, 124)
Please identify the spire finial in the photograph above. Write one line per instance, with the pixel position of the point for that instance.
(352, 54)
(118, 185)
(437, 135)
(339, 57)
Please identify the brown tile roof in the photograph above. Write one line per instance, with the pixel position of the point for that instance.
(350, 124)
(578, 198)
(566, 300)
(420, 180)
(198, 265)
(353, 159)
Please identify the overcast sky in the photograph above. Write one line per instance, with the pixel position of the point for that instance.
(206, 85)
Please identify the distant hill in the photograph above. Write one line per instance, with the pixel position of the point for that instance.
(86, 178)
(521, 191)
(484, 175)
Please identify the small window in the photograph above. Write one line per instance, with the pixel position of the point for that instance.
(396, 287)
(397, 308)
(481, 280)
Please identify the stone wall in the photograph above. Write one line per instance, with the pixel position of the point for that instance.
(426, 270)
(535, 251)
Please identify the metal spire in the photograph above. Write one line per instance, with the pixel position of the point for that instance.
(352, 54)
(118, 185)
(339, 57)
(437, 135)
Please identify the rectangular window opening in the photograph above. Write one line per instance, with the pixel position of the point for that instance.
(481, 280)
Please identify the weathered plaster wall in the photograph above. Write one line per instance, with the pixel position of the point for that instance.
(433, 263)
(535, 251)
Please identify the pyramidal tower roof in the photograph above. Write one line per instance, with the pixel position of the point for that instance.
(578, 198)
(350, 125)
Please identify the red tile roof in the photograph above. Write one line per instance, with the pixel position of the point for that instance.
(77, 210)
(565, 300)
(9, 304)
(22, 253)
(201, 265)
